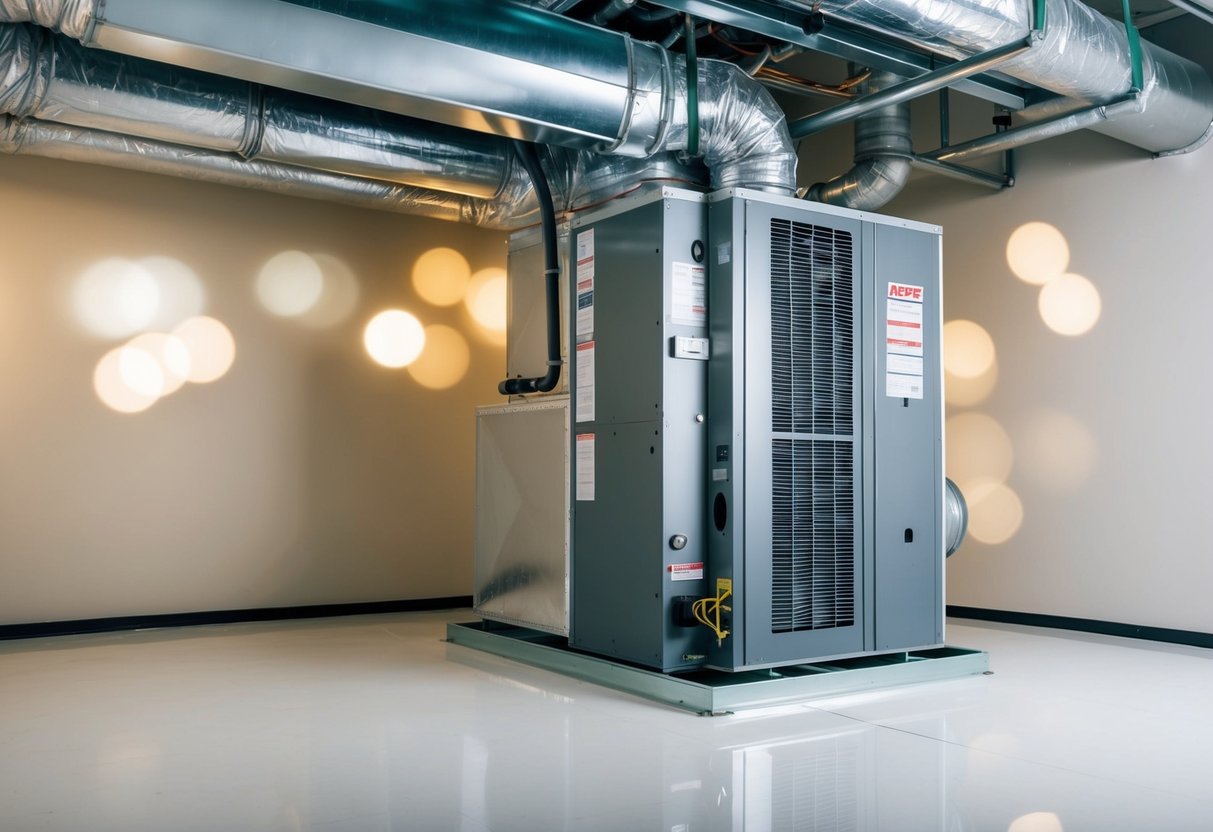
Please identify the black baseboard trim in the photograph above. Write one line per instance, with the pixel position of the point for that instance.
(194, 619)
(1085, 625)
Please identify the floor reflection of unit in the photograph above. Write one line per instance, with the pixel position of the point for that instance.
(755, 396)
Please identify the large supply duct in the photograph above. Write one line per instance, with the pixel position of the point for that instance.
(481, 65)
(1084, 56)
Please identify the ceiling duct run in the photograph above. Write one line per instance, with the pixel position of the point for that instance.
(614, 111)
(1084, 56)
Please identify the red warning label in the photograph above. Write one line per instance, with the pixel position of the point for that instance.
(685, 571)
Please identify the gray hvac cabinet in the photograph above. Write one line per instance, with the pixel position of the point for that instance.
(639, 376)
(825, 495)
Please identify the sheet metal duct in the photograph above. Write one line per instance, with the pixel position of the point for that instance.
(884, 152)
(481, 65)
(1084, 56)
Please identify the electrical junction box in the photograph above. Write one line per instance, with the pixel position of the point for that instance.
(826, 485)
(639, 399)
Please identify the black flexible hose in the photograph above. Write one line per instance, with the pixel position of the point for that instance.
(551, 272)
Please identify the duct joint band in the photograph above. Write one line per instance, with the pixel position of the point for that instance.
(254, 123)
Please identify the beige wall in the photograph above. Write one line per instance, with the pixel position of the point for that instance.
(1109, 431)
(307, 474)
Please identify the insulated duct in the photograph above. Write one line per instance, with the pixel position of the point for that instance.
(884, 150)
(90, 105)
(481, 65)
(1084, 56)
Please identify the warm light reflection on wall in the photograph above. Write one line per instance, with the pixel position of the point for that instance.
(978, 449)
(289, 284)
(318, 290)
(338, 295)
(486, 302)
(444, 361)
(1037, 822)
(968, 350)
(967, 392)
(441, 276)
(112, 386)
(1070, 305)
(212, 349)
(1037, 252)
(116, 297)
(170, 354)
(995, 511)
(970, 363)
(1057, 451)
(394, 338)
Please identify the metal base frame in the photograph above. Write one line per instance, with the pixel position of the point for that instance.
(715, 693)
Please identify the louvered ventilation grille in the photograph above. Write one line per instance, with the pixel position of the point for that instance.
(812, 471)
(812, 328)
(812, 535)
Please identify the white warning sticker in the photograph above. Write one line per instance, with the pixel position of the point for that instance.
(585, 467)
(586, 393)
(585, 285)
(903, 341)
(685, 571)
(689, 299)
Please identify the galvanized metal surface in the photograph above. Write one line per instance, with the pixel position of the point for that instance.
(710, 692)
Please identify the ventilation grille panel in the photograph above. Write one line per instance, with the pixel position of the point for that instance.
(812, 535)
(812, 329)
(812, 405)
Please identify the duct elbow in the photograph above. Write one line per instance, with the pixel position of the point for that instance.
(744, 133)
(868, 186)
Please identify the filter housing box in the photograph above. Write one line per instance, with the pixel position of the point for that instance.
(825, 489)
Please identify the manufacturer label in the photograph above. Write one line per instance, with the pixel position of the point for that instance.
(689, 299)
(685, 571)
(586, 394)
(585, 467)
(585, 285)
(903, 341)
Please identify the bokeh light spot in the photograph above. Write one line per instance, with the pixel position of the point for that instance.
(441, 276)
(444, 361)
(211, 347)
(978, 448)
(116, 298)
(1037, 252)
(1070, 305)
(995, 511)
(140, 372)
(967, 392)
(1057, 450)
(338, 296)
(1036, 822)
(290, 284)
(394, 338)
(486, 300)
(112, 388)
(170, 353)
(181, 294)
(968, 350)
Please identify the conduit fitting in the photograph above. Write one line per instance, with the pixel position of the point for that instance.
(884, 153)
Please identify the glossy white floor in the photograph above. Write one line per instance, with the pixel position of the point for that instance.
(373, 723)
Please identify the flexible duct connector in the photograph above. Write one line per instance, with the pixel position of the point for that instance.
(884, 150)
(1084, 56)
(575, 85)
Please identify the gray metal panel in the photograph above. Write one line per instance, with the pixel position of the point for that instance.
(908, 487)
(522, 514)
(649, 468)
